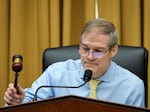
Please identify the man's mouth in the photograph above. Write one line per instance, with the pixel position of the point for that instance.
(89, 64)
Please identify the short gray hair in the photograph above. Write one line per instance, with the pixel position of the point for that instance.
(105, 27)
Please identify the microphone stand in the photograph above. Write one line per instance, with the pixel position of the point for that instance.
(35, 96)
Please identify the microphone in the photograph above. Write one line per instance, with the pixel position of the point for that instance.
(87, 77)
(17, 67)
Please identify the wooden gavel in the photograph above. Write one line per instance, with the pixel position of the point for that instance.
(17, 67)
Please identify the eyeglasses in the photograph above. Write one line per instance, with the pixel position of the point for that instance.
(84, 51)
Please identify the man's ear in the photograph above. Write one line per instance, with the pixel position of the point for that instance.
(114, 51)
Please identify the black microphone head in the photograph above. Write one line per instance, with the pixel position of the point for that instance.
(87, 75)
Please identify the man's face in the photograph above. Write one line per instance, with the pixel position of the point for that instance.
(99, 53)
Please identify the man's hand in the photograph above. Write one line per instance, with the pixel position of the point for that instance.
(14, 96)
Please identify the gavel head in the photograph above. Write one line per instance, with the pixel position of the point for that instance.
(17, 63)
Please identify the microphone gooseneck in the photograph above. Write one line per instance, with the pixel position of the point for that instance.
(87, 77)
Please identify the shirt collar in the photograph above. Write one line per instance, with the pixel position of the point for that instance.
(108, 76)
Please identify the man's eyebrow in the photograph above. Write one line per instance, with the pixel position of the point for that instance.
(83, 44)
(98, 48)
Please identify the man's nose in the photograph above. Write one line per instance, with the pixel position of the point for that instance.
(90, 55)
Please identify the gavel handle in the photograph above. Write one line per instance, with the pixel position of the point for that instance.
(16, 80)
